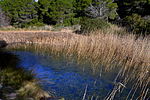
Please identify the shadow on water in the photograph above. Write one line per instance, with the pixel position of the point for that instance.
(8, 59)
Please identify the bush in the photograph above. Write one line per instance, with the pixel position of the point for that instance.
(88, 25)
(70, 22)
(14, 77)
(137, 24)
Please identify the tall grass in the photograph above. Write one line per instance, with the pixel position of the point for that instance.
(125, 52)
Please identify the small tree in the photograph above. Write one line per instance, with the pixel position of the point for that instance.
(138, 24)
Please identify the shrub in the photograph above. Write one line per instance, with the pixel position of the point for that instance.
(88, 25)
(137, 24)
(71, 21)
(14, 77)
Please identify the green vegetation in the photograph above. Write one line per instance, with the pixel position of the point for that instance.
(21, 12)
(128, 7)
(89, 25)
(137, 24)
(134, 15)
(15, 77)
(57, 12)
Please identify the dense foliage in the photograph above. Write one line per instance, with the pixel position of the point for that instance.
(137, 24)
(56, 12)
(21, 12)
(134, 14)
(89, 25)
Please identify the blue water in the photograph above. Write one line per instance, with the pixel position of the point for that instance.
(64, 79)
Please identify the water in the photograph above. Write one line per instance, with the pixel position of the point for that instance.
(65, 79)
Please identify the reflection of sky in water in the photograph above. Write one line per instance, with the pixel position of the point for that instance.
(69, 82)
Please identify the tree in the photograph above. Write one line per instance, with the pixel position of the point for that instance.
(102, 9)
(43, 11)
(21, 12)
(135, 14)
(56, 11)
(3, 19)
(128, 7)
(80, 7)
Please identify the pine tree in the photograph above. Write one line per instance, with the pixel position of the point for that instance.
(21, 12)
(81, 6)
(128, 7)
(56, 11)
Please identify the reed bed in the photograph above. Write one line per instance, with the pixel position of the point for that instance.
(129, 54)
(108, 50)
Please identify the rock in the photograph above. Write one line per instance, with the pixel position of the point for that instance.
(3, 44)
(29, 99)
(32, 89)
(11, 96)
(1, 86)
